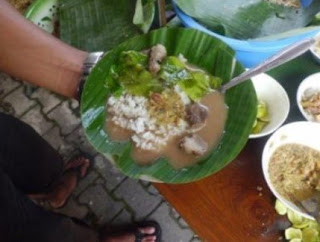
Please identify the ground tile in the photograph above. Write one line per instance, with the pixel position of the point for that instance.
(85, 182)
(36, 119)
(137, 198)
(170, 228)
(19, 101)
(7, 84)
(108, 171)
(73, 209)
(124, 217)
(47, 99)
(101, 203)
(65, 118)
(78, 139)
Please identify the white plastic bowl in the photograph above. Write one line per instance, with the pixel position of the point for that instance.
(304, 133)
(277, 100)
(309, 84)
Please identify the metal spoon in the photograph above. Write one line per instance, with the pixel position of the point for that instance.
(311, 206)
(280, 58)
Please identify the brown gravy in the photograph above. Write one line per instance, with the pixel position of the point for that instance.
(117, 133)
(178, 159)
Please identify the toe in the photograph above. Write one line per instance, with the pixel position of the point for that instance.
(149, 239)
(84, 167)
(81, 163)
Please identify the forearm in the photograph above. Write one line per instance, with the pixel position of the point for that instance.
(28, 53)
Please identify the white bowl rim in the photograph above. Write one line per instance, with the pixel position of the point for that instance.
(270, 147)
(317, 56)
(300, 93)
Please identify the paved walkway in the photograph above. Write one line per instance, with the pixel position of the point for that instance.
(104, 195)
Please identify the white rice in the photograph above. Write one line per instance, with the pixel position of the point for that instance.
(130, 112)
(184, 97)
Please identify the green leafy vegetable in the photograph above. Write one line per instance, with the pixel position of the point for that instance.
(195, 84)
(173, 70)
(133, 59)
(199, 85)
(131, 73)
(196, 87)
(214, 82)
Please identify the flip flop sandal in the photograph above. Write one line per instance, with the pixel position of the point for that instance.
(139, 236)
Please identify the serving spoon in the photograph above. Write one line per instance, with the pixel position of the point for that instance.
(311, 206)
(278, 59)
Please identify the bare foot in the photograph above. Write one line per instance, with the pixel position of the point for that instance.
(80, 162)
(66, 185)
(62, 191)
(147, 232)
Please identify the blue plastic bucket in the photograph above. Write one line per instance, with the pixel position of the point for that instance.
(249, 53)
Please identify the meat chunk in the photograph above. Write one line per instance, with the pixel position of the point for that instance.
(196, 115)
(157, 55)
(193, 144)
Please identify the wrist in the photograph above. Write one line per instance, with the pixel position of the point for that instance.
(90, 61)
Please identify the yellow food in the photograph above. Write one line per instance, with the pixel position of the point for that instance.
(294, 171)
(262, 119)
(166, 107)
(312, 105)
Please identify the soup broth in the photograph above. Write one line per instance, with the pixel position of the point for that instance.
(211, 133)
(165, 106)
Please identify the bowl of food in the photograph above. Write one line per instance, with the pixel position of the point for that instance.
(273, 105)
(153, 107)
(290, 163)
(253, 37)
(308, 97)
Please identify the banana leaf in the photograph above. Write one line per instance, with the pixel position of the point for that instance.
(200, 49)
(95, 25)
(243, 19)
(144, 14)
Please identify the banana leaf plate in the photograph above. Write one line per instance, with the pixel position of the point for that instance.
(200, 49)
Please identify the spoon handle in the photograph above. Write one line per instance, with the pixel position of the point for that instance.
(279, 58)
